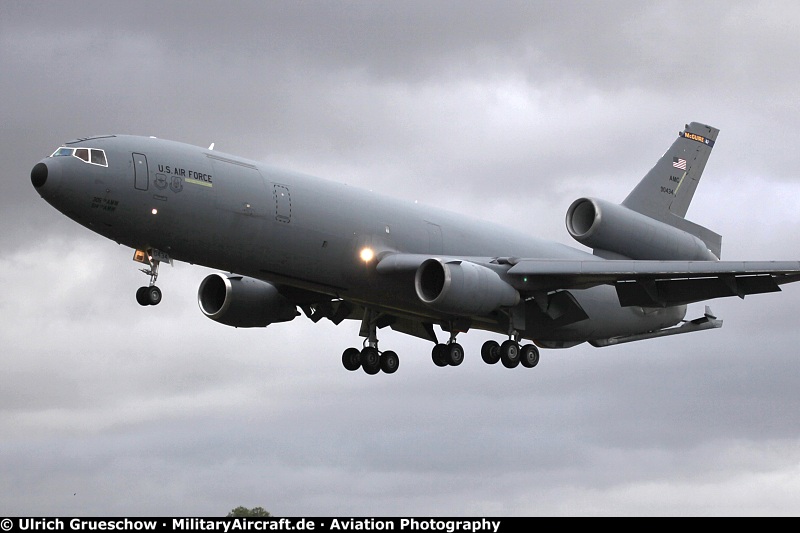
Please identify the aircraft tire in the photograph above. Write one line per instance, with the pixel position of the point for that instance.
(438, 356)
(389, 362)
(454, 354)
(509, 354)
(529, 356)
(370, 360)
(141, 296)
(351, 359)
(153, 295)
(490, 352)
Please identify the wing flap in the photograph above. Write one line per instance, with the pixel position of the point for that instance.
(668, 292)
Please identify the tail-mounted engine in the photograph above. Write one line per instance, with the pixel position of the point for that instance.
(462, 288)
(243, 302)
(606, 226)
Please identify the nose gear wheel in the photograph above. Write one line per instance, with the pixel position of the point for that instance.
(150, 294)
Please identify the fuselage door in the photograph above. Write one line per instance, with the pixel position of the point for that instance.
(434, 238)
(283, 203)
(141, 176)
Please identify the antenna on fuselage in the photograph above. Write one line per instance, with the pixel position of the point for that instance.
(211, 147)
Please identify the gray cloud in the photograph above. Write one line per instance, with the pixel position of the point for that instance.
(508, 111)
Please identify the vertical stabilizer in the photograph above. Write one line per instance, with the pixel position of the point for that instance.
(667, 190)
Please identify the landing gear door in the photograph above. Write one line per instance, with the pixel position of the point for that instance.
(141, 176)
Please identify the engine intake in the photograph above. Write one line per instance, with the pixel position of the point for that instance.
(243, 302)
(605, 226)
(462, 288)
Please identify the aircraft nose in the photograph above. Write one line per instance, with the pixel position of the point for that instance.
(39, 175)
(46, 178)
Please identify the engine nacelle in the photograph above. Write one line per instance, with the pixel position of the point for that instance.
(606, 226)
(243, 302)
(462, 288)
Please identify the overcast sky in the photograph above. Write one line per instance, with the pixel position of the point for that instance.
(503, 110)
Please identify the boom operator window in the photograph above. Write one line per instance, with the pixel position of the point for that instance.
(93, 156)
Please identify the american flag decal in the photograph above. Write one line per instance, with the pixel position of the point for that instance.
(679, 163)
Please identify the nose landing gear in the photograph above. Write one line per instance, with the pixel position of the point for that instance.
(150, 294)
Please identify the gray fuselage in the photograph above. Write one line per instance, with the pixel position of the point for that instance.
(232, 214)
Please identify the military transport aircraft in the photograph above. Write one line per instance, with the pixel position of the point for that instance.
(287, 241)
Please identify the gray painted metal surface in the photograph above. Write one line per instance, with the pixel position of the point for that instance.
(339, 252)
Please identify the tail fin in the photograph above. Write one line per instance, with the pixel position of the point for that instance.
(667, 190)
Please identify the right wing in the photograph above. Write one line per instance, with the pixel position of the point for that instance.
(655, 283)
(645, 283)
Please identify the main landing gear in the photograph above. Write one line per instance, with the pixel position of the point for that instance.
(149, 295)
(450, 354)
(369, 357)
(510, 353)
(373, 361)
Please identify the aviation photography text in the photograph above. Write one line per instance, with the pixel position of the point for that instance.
(226, 525)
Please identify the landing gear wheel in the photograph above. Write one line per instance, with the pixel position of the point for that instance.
(389, 362)
(453, 354)
(529, 356)
(351, 359)
(509, 354)
(438, 355)
(490, 352)
(153, 295)
(370, 360)
(141, 296)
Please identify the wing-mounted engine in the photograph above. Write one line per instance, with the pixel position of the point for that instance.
(462, 288)
(243, 302)
(611, 227)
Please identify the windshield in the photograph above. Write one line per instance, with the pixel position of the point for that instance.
(93, 156)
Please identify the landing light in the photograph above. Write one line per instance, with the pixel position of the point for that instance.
(154, 211)
(367, 255)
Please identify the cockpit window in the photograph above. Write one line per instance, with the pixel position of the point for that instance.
(62, 151)
(98, 157)
(94, 156)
